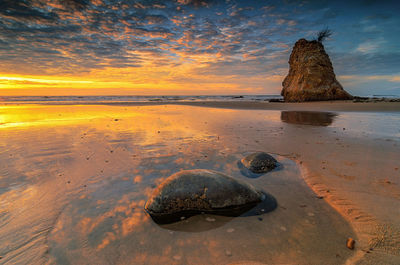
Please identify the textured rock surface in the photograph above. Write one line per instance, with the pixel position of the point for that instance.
(191, 192)
(311, 76)
(259, 162)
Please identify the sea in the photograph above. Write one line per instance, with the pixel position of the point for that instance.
(131, 99)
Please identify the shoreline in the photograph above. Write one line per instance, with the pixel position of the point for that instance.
(336, 202)
(340, 105)
(302, 106)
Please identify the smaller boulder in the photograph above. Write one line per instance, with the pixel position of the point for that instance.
(259, 162)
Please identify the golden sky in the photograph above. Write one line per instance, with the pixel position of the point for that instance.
(189, 47)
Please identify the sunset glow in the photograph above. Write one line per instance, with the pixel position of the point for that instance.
(195, 47)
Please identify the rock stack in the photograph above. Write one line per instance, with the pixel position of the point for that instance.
(311, 76)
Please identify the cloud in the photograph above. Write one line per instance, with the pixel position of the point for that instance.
(196, 3)
(370, 46)
(246, 39)
(76, 4)
(22, 11)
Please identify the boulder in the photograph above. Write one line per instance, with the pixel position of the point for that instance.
(311, 76)
(191, 192)
(259, 162)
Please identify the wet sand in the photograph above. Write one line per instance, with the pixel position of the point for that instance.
(74, 180)
(344, 105)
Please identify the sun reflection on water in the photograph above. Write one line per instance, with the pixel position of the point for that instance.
(88, 171)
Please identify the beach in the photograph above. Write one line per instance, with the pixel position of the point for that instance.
(74, 179)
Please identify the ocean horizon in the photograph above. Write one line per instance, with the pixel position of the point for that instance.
(148, 98)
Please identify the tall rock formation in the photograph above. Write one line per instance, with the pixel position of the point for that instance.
(311, 75)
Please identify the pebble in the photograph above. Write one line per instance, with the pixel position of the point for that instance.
(230, 230)
(350, 243)
(177, 257)
(209, 219)
(228, 253)
(310, 214)
(283, 228)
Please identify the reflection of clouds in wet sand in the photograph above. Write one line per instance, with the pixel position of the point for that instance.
(125, 232)
(93, 170)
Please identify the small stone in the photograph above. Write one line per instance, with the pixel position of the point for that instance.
(230, 230)
(209, 219)
(228, 253)
(259, 162)
(283, 228)
(310, 214)
(177, 257)
(350, 243)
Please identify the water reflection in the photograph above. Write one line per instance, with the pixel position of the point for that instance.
(74, 180)
(314, 118)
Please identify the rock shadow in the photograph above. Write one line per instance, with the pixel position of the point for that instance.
(204, 221)
(315, 118)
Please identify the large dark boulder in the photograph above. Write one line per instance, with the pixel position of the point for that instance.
(311, 76)
(191, 192)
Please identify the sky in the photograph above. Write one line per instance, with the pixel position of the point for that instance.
(190, 47)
